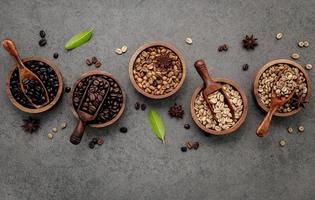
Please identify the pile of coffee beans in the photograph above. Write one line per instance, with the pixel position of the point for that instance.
(44, 72)
(113, 101)
(96, 92)
(34, 91)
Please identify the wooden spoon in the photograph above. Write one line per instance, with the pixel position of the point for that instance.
(210, 86)
(276, 102)
(85, 117)
(24, 72)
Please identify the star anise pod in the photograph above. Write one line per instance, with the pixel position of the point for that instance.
(298, 101)
(250, 42)
(176, 111)
(31, 124)
(163, 61)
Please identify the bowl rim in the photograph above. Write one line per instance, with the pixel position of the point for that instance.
(263, 68)
(48, 106)
(98, 72)
(152, 44)
(237, 124)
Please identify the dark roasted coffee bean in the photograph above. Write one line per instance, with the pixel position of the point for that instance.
(56, 55)
(143, 106)
(88, 62)
(196, 145)
(91, 145)
(42, 34)
(183, 149)
(67, 89)
(123, 129)
(187, 126)
(42, 42)
(98, 64)
(94, 60)
(100, 141)
(94, 140)
(245, 67)
(137, 105)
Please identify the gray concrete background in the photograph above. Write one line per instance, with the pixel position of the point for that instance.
(136, 165)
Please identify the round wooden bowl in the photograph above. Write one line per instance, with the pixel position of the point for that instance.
(264, 68)
(97, 72)
(152, 44)
(237, 124)
(48, 106)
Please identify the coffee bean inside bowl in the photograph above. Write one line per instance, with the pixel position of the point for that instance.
(47, 75)
(157, 70)
(221, 109)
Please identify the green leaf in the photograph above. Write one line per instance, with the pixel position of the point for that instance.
(79, 39)
(157, 125)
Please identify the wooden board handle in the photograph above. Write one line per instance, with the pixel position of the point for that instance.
(262, 129)
(77, 133)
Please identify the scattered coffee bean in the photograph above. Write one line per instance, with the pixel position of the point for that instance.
(282, 143)
(188, 41)
(91, 145)
(189, 145)
(94, 140)
(295, 56)
(63, 125)
(124, 48)
(196, 145)
(137, 105)
(50, 135)
(279, 36)
(56, 55)
(42, 34)
(118, 51)
(123, 129)
(183, 149)
(290, 130)
(100, 141)
(301, 128)
(98, 64)
(143, 106)
(306, 44)
(300, 44)
(308, 66)
(88, 62)
(55, 130)
(94, 59)
(245, 67)
(67, 89)
(42, 42)
(223, 47)
(187, 126)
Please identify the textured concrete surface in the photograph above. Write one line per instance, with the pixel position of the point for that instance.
(136, 165)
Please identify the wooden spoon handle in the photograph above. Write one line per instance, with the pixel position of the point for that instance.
(202, 70)
(262, 129)
(10, 47)
(77, 134)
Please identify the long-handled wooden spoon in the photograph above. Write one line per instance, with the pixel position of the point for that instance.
(276, 102)
(25, 73)
(210, 86)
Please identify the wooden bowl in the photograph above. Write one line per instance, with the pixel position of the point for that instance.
(264, 68)
(48, 106)
(237, 124)
(97, 72)
(152, 44)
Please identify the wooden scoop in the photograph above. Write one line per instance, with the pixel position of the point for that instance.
(24, 73)
(276, 102)
(210, 86)
(85, 117)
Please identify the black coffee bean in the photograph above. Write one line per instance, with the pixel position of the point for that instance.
(187, 126)
(183, 149)
(56, 55)
(94, 60)
(245, 67)
(42, 42)
(196, 145)
(88, 62)
(91, 145)
(94, 140)
(42, 33)
(123, 129)
(137, 105)
(143, 106)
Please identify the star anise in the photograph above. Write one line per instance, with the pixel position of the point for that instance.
(31, 124)
(250, 42)
(164, 61)
(298, 101)
(176, 111)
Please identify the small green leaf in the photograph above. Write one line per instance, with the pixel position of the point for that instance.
(157, 125)
(79, 39)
